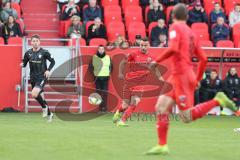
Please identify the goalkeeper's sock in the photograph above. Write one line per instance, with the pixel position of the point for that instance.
(162, 128)
(202, 109)
(128, 113)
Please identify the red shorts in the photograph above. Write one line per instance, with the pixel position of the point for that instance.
(183, 86)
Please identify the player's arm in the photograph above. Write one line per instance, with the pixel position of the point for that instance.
(25, 60)
(51, 60)
(52, 63)
(202, 62)
(121, 68)
(173, 48)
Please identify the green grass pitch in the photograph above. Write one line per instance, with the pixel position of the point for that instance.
(30, 137)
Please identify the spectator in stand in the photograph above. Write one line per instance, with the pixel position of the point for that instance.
(160, 28)
(11, 29)
(76, 30)
(97, 30)
(156, 12)
(197, 14)
(170, 2)
(161, 41)
(217, 12)
(61, 3)
(210, 86)
(124, 45)
(137, 42)
(92, 11)
(144, 3)
(70, 10)
(16, 1)
(234, 16)
(220, 31)
(119, 40)
(232, 85)
(7, 11)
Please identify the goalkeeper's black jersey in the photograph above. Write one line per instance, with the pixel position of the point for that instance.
(37, 62)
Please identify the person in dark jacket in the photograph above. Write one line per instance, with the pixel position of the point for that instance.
(156, 12)
(210, 86)
(160, 28)
(197, 14)
(92, 11)
(232, 85)
(70, 10)
(97, 30)
(11, 29)
(220, 31)
(217, 12)
(101, 68)
(170, 2)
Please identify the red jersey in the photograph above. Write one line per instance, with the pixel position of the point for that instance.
(134, 67)
(186, 45)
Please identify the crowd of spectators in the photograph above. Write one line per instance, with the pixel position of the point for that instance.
(211, 84)
(10, 21)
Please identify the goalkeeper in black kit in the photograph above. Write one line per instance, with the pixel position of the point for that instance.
(39, 72)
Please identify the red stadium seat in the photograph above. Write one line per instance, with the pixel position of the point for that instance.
(133, 13)
(202, 26)
(168, 13)
(236, 34)
(17, 7)
(134, 29)
(112, 13)
(1, 41)
(126, 3)
(62, 27)
(82, 42)
(209, 5)
(67, 24)
(150, 27)
(109, 2)
(229, 5)
(225, 44)
(206, 43)
(114, 29)
(201, 30)
(202, 35)
(97, 42)
(15, 41)
(89, 23)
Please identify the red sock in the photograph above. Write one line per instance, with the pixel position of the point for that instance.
(162, 128)
(128, 113)
(202, 109)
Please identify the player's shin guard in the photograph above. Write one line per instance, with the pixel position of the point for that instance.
(202, 109)
(128, 113)
(162, 128)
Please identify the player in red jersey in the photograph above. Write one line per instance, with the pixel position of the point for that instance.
(136, 64)
(183, 44)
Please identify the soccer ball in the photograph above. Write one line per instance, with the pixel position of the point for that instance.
(95, 99)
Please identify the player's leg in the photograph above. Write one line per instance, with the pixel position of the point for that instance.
(185, 86)
(134, 100)
(37, 93)
(121, 108)
(164, 104)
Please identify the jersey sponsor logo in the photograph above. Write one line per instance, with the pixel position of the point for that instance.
(39, 56)
(173, 34)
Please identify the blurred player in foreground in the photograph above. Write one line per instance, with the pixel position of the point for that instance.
(39, 73)
(137, 63)
(183, 45)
